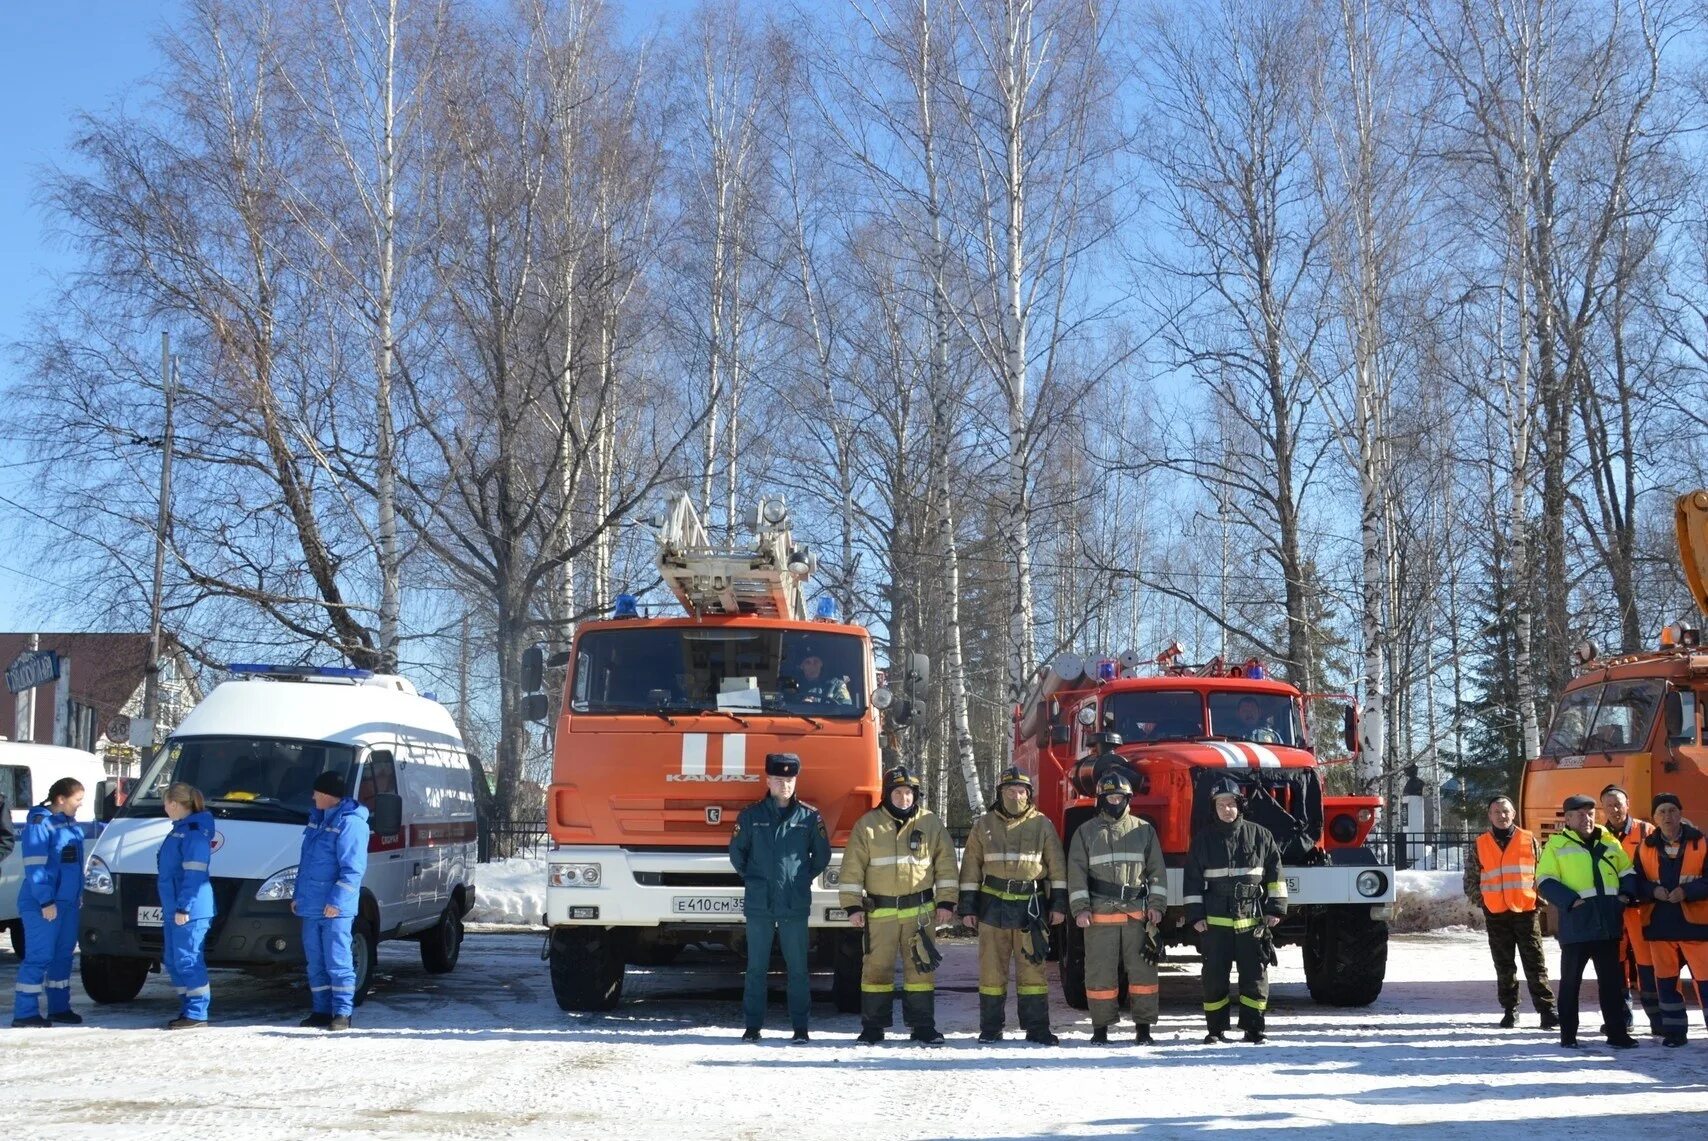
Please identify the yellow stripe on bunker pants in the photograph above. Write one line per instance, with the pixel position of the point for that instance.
(1226, 943)
(1113, 942)
(998, 947)
(885, 940)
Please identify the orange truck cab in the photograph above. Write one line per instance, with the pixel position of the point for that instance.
(661, 741)
(1184, 731)
(1634, 720)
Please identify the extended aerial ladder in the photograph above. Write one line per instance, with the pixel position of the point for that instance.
(762, 582)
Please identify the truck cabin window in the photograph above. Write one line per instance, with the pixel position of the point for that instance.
(692, 670)
(1155, 715)
(243, 777)
(1611, 718)
(1261, 718)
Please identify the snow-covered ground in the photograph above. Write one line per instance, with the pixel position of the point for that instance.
(484, 1052)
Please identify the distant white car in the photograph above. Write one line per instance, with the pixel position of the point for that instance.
(26, 773)
(254, 747)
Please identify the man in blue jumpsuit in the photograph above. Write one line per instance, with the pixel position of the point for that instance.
(328, 890)
(49, 902)
(779, 848)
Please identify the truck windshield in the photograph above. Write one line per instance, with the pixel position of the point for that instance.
(688, 670)
(1610, 718)
(1262, 718)
(259, 778)
(1155, 715)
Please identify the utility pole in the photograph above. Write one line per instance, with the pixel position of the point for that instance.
(162, 522)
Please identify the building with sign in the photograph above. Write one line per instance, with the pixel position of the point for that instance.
(87, 691)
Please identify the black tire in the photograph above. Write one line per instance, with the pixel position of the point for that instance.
(364, 954)
(587, 968)
(845, 967)
(442, 944)
(1071, 940)
(111, 979)
(16, 927)
(1346, 956)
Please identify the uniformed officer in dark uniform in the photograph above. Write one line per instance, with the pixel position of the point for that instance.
(1233, 892)
(779, 848)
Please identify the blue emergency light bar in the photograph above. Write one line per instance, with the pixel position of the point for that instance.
(251, 669)
(825, 610)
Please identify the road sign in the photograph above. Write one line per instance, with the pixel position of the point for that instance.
(29, 670)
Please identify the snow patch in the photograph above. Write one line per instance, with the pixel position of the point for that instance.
(510, 891)
(1432, 901)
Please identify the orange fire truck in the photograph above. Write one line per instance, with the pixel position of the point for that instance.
(1634, 720)
(1184, 729)
(661, 741)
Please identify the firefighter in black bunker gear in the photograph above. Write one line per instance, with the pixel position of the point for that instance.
(1012, 873)
(1118, 891)
(898, 882)
(1234, 892)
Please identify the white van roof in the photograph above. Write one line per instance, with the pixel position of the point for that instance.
(37, 755)
(312, 709)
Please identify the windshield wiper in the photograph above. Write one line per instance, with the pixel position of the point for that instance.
(739, 720)
(807, 717)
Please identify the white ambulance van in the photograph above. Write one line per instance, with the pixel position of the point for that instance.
(254, 747)
(26, 773)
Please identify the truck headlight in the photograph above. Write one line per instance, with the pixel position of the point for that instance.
(1371, 883)
(279, 885)
(575, 875)
(98, 878)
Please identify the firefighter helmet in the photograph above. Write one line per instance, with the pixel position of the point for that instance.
(1114, 783)
(1227, 786)
(1013, 775)
(900, 777)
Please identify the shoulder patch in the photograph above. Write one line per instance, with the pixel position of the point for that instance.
(737, 831)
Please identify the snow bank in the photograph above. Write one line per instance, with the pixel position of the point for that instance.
(1432, 901)
(510, 891)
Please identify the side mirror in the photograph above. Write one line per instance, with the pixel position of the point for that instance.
(385, 815)
(1351, 729)
(534, 707)
(107, 800)
(919, 670)
(558, 660)
(533, 669)
(901, 712)
(1060, 734)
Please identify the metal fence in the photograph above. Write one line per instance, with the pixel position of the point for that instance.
(1424, 851)
(501, 839)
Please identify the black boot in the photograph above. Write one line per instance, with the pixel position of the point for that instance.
(1100, 1036)
(799, 1037)
(1042, 1036)
(991, 1016)
(1256, 1037)
(1035, 1017)
(1215, 1036)
(870, 1036)
(927, 1035)
(317, 1021)
(1550, 1020)
(339, 1022)
(1622, 1041)
(1142, 1036)
(66, 1018)
(751, 1034)
(1509, 1019)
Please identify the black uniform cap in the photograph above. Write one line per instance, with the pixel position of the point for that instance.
(782, 765)
(1578, 803)
(331, 784)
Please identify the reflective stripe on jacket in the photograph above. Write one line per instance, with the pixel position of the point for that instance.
(1024, 855)
(334, 860)
(1572, 869)
(1124, 852)
(182, 864)
(1507, 876)
(891, 859)
(52, 844)
(1687, 869)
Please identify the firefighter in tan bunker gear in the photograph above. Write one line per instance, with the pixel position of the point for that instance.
(1013, 882)
(1118, 891)
(897, 882)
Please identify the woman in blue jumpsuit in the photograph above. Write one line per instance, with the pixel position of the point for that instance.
(187, 902)
(49, 899)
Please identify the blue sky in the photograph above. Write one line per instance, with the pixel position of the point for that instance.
(57, 58)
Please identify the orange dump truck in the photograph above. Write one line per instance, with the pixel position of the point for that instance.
(1634, 720)
(661, 741)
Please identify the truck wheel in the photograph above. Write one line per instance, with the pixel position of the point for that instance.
(16, 927)
(442, 944)
(1346, 956)
(845, 971)
(364, 954)
(109, 978)
(1072, 943)
(587, 968)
